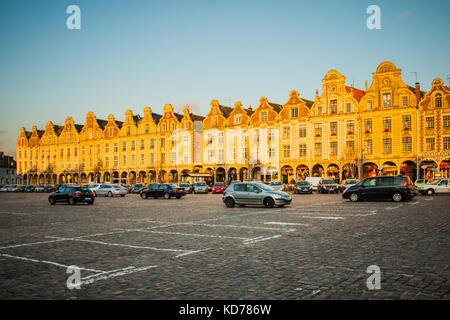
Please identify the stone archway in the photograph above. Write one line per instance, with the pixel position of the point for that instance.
(317, 170)
(302, 171)
(286, 174)
(220, 175)
(349, 170)
(333, 172)
(444, 168)
(370, 169)
(257, 174)
(409, 168)
(124, 177)
(232, 175)
(271, 174)
(389, 168)
(243, 174)
(428, 169)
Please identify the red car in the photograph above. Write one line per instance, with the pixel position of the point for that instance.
(218, 187)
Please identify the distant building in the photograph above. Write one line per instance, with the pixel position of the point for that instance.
(7, 170)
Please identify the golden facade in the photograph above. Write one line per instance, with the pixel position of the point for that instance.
(389, 128)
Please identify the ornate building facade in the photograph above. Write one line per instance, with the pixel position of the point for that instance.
(389, 128)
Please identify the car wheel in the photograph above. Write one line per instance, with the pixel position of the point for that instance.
(144, 196)
(178, 197)
(269, 203)
(90, 202)
(52, 201)
(229, 202)
(110, 194)
(354, 197)
(242, 205)
(397, 197)
(430, 192)
(281, 206)
(71, 201)
(122, 195)
(166, 195)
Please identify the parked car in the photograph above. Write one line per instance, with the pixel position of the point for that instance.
(137, 188)
(277, 185)
(303, 187)
(111, 190)
(397, 188)
(314, 181)
(163, 190)
(440, 186)
(4, 189)
(94, 187)
(347, 184)
(200, 187)
(48, 188)
(186, 187)
(29, 188)
(421, 182)
(20, 189)
(246, 193)
(39, 188)
(12, 188)
(218, 187)
(126, 187)
(327, 186)
(72, 195)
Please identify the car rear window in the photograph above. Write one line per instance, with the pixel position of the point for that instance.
(80, 189)
(218, 185)
(328, 181)
(240, 187)
(303, 183)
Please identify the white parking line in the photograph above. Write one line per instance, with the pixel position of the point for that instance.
(262, 239)
(190, 234)
(30, 244)
(287, 223)
(113, 274)
(236, 226)
(46, 262)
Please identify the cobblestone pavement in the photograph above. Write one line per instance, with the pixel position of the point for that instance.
(195, 248)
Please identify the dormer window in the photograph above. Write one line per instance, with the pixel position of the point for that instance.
(386, 100)
(128, 131)
(333, 106)
(404, 101)
(263, 116)
(438, 100)
(294, 113)
(214, 122)
(110, 132)
(237, 119)
(369, 105)
(90, 133)
(163, 127)
(319, 110)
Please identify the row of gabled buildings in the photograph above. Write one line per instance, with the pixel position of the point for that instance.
(387, 128)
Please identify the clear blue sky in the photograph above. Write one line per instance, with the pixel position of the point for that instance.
(131, 54)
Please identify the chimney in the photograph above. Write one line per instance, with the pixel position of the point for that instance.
(418, 92)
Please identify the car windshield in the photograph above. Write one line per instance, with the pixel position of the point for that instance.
(275, 183)
(184, 185)
(201, 184)
(264, 187)
(218, 185)
(328, 182)
(173, 186)
(115, 186)
(303, 183)
(351, 181)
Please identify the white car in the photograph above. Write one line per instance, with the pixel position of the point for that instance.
(439, 186)
(314, 181)
(94, 188)
(111, 190)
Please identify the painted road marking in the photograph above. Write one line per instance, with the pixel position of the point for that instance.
(237, 226)
(30, 244)
(287, 223)
(262, 239)
(190, 234)
(113, 274)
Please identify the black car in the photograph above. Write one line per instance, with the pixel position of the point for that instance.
(163, 190)
(20, 189)
(303, 187)
(137, 188)
(327, 186)
(72, 195)
(397, 188)
(29, 189)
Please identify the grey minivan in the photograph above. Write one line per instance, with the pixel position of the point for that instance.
(254, 193)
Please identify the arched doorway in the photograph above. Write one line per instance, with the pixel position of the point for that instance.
(243, 174)
(69, 178)
(142, 177)
(132, 177)
(409, 168)
(428, 169)
(333, 172)
(62, 179)
(349, 170)
(75, 178)
(444, 169)
(173, 176)
(152, 176)
(41, 179)
(163, 176)
(107, 177)
(317, 171)
(209, 180)
(389, 168)
(91, 177)
(115, 177)
(286, 174)
(271, 174)
(302, 172)
(48, 178)
(256, 174)
(220, 175)
(83, 178)
(232, 175)
(123, 177)
(370, 169)
(184, 176)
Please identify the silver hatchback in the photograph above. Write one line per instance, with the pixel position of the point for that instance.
(110, 190)
(254, 193)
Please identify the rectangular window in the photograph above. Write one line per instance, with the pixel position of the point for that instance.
(233, 154)
(430, 122)
(209, 138)
(430, 144)
(214, 122)
(152, 158)
(386, 100)
(318, 149)
(116, 147)
(221, 155)
(302, 150)
(349, 107)
(369, 105)
(124, 160)
(333, 106)
(147, 128)
(124, 146)
(302, 132)
(244, 153)
(404, 101)
(185, 158)
(407, 144)
(142, 159)
(243, 138)
(319, 110)
(294, 112)
(98, 149)
(318, 129)
(163, 142)
(174, 157)
(107, 148)
(133, 145)
(220, 138)
(446, 121)
(287, 151)
(367, 125)
(152, 143)
(128, 131)
(271, 135)
(111, 132)
(142, 144)
(351, 147)
(116, 161)
(163, 158)
(133, 159)
(368, 149)
(406, 122)
(333, 148)
(272, 153)
(333, 128)
(350, 126)
(237, 119)
(286, 132)
(387, 145)
(75, 152)
(264, 116)
(209, 155)
(446, 143)
(387, 124)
